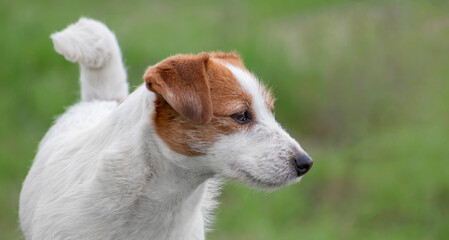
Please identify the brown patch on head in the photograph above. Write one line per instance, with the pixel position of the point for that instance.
(232, 58)
(189, 134)
(182, 81)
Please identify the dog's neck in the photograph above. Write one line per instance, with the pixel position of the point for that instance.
(162, 193)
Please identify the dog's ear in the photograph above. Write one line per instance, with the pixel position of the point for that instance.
(183, 82)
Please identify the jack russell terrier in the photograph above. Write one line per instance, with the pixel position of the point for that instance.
(147, 165)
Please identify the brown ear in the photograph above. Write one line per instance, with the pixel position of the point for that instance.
(182, 81)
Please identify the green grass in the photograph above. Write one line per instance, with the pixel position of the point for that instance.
(364, 87)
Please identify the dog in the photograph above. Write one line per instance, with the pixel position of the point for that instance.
(149, 165)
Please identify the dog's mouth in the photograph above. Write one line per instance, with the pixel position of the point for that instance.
(268, 184)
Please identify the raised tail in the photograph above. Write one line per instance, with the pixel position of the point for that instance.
(91, 44)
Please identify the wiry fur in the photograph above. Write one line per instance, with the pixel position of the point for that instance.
(103, 172)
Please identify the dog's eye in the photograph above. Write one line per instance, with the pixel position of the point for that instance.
(242, 118)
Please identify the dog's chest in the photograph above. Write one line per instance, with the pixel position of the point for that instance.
(159, 216)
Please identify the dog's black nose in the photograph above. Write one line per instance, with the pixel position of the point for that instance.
(303, 163)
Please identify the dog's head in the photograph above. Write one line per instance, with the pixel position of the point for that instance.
(211, 108)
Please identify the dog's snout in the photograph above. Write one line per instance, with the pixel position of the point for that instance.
(303, 163)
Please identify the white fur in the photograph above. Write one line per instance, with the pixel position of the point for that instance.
(91, 44)
(102, 172)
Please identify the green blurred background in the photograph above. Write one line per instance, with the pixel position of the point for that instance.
(363, 86)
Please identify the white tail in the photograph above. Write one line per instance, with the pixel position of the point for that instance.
(91, 44)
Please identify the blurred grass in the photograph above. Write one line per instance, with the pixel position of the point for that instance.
(362, 85)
